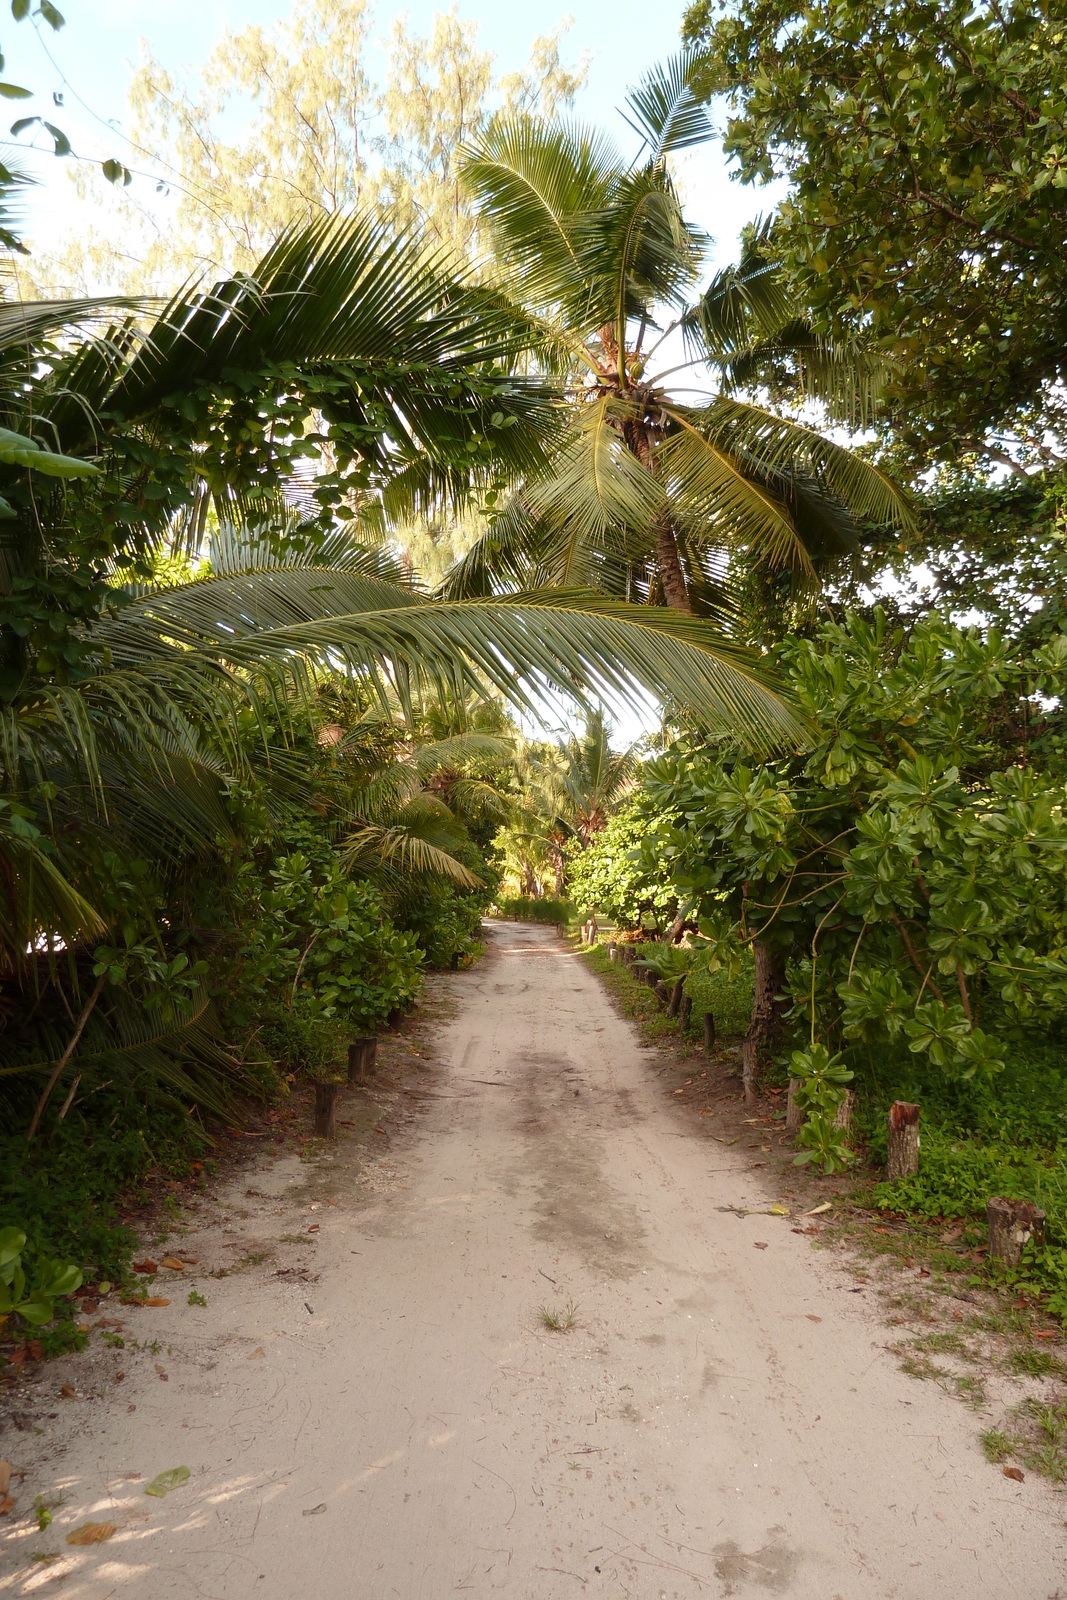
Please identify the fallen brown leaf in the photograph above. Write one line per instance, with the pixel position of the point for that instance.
(759, 1244)
(157, 1300)
(173, 1264)
(67, 1391)
(7, 1504)
(92, 1533)
(1048, 1333)
(258, 1354)
(5, 1476)
(1016, 1473)
(812, 1317)
(145, 1266)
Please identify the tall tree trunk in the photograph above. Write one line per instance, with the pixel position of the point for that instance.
(767, 1003)
(671, 575)
(668, 562)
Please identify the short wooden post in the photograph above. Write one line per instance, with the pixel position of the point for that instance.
(325, 1102)
(794, 1114)
(843, 1115)
(675, 1001)
(629, 955)
(685, 1011)
(709, 1032)
(902, 1158)
(361, 1056)
(613, 950)
(1012, 1226)
(662, 994)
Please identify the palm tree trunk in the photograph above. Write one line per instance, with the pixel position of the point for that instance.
(668, 562)
(671, 575)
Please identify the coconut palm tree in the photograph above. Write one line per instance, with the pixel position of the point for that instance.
(650, 491)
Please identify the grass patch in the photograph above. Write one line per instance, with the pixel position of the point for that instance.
(729, 1000)
(1035, 1435)
(1029, 1363)
(559, 1321)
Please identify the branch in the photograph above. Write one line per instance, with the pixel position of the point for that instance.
(913, 958)
(65, 1057)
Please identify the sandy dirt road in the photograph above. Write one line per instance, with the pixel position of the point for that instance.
(723, 1419)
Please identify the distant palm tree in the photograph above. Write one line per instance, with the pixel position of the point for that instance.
(646, 492)
(594, 779)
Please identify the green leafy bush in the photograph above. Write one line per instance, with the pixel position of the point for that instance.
(610, 874)
(31, 1299)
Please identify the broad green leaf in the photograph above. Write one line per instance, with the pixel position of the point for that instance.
(12, 1242)
(164, 1482)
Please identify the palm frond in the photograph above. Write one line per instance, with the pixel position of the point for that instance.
(401, 644)
(36, 899)
(637, 252)
(530, 180)
(664, 109)
(716, 500)
(598, 484)
(777, 444)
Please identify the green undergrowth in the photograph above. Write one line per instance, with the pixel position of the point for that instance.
(523, 908)
(1003, 1136)
(63, 1190)
(729, 999)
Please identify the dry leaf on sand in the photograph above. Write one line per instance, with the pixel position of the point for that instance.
(92, 1533)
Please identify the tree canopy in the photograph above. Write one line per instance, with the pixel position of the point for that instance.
(926, 147)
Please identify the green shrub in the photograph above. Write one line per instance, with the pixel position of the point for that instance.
(728, 998)
(522, 908)
(609, 875)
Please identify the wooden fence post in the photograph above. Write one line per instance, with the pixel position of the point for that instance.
(794, 1115)
(1012, 1225)
(685, 1010)
(361, 1056)
(709, 1032)
(902, 1158)
(325, 1101)
(675, 1000)
(613, 950)
(843, 1117)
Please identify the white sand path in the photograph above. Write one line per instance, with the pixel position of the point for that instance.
(404, 1428)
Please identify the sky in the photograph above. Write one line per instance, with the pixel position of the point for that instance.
(98, 48)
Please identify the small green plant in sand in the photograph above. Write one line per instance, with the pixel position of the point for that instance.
(559, 1321)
